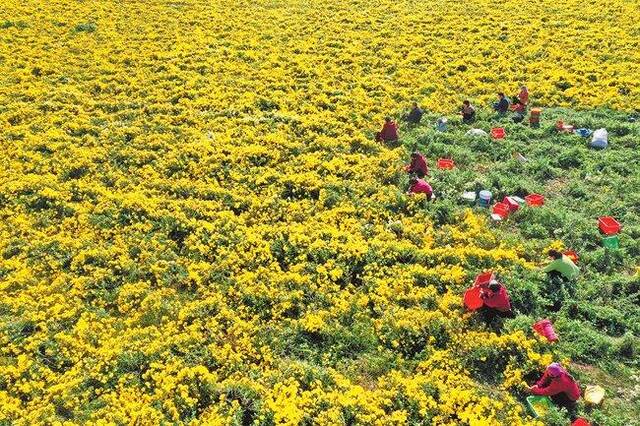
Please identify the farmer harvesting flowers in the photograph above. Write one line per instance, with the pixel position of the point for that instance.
(502, 106)
(389, 132)
(561, 273)
(418, 165)
(523, 96)
(415, 115)
(468, 112)
(496, 301)
(558, 384)
(420, 186)
(561, 267)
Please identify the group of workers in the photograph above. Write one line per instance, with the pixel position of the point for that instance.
(518, 105)
(418, 166)
(561, 272)
(556, 382)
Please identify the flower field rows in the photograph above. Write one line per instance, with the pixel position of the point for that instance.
(198, 228)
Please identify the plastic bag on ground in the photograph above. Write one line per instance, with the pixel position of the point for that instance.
(593, 394)
(476, 132)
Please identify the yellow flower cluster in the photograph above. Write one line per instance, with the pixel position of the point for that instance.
(197, 228)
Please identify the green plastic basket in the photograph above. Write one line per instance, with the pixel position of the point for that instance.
(538, 405)
(612, 242)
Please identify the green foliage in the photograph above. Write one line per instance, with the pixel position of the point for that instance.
(87, 27)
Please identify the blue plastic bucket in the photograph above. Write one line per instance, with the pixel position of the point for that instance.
(484, 198)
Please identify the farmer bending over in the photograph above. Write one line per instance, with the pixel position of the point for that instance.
(418, 165)
(496, 302)
(558, 384)
(562, 273)
(389, 132)
(420, 186)
(561, 267)
(415, 115)
(520, 110)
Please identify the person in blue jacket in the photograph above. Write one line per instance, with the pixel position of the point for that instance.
(415, 115)
(502, 106)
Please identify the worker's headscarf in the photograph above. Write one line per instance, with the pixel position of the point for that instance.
(555, 369)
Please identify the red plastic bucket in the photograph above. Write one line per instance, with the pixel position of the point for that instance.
(580, 422)
(534, 200)
(545, 329)
(608, 225)
(472, 299)
(513, 204)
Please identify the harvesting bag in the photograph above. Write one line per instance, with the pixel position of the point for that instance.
(472, 299)
(600, 139)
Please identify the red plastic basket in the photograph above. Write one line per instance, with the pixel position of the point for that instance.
(445, 164)
(608, 225)
(534, 200)
(484, 279)
(498, 133)
(513, 204)
(501, 209)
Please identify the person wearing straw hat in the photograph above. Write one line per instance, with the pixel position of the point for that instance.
(557, 384)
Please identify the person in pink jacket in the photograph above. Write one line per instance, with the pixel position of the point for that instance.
(420, 186)
(496, 302)
(558, 384)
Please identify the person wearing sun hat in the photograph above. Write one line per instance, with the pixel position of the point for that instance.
(558, 384)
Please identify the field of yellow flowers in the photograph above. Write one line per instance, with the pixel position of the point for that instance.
(198, 228)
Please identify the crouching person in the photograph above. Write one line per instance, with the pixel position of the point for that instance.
(496, 302)
(557, 384)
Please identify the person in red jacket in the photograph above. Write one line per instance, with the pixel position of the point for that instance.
(418, 165)
(496, 302)
(420, 186)
(389, 132)
(523, 96)
(558, 384)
